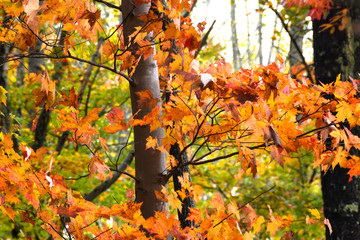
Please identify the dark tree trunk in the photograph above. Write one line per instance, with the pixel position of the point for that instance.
(334, 54)
(187, 202)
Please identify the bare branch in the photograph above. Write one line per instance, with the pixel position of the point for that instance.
(108, 4)
(204, 39)
(42, 55)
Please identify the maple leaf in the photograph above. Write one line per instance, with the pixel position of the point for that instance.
(3, 96)
(195, 215)
(247, 159)
(130, 193)
(271, 82)
(174, 201)
(103, 144)
(92, 17)
(217, 202)
(35, 122)
(162, 195)
(117, 119)
(98, 166)
(232, 208)
(275, 223)
(257, 224)
(172, 31)
(353, 141)
(71, 100)
(8, 211)
(151, 119)
(345, 112)
(69, 211)
(47, 91)
(271, 134)
(146, 99)
(242, 92)
(32, 196)
(151, 142)
(31, 9)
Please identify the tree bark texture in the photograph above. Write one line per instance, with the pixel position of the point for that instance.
(5, 122)
(334, 54)
(150, 164)
(187, 202)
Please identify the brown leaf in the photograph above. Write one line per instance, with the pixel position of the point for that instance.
(92, 17)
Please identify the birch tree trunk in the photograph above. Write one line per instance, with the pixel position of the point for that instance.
(234, 39)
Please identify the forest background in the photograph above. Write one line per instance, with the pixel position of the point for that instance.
(236, 148)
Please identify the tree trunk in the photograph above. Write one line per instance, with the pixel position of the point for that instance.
(5, 122)
(234, 39)
(150, 164)
(248, 51)
(187, 202)
(333, 54)
(298, 33)
(260, 26)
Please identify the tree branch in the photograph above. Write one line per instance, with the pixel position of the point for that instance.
(204, 39)
(108, 4)
(42, 55)
(253, 199)
(293, 40)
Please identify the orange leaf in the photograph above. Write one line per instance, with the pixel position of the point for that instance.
(195, 215)
(151, 142)
(92, 17)
(98, 166)
(71, 100)
(117, 119)
(146, 99)
(103, 144)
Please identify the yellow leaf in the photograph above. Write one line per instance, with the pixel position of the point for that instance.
(257, 224)
(232, 208)
(315, 213)
(151, 142)
(272, 228)
(3, 96)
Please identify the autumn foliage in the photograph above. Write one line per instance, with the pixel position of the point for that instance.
(212, 112)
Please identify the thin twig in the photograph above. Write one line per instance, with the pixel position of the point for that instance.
(42, 55)
(108, 4)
